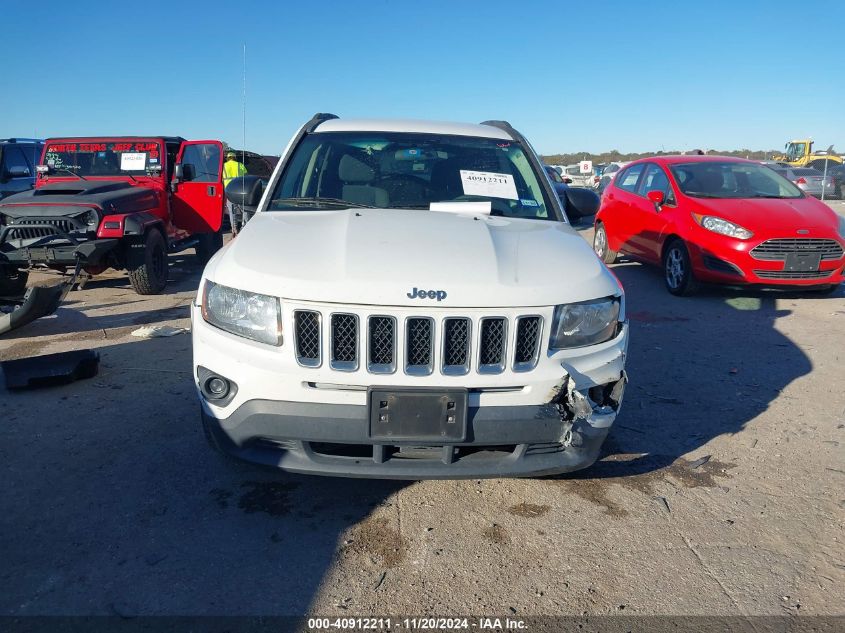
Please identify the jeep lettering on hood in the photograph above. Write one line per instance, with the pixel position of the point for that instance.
(416, 293)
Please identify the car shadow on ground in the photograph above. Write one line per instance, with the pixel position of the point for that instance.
(120, 507)
(710, 386)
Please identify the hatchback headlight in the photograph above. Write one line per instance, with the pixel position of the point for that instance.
(842, 225)
(585, 323)
(722, 226)
(246, 314)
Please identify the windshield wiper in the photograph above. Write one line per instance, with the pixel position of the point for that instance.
(701, 194)
(319, 202)
(71, 172)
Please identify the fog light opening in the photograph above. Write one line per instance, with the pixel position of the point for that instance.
(216, 387)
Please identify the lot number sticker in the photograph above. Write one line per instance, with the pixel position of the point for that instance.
(586, 166)
(488, 184)
(133, 161)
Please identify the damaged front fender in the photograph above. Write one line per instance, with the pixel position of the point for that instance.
(597, 405)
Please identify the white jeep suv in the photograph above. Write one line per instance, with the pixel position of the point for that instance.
(408, 301)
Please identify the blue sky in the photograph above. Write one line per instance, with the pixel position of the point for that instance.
(595, 76)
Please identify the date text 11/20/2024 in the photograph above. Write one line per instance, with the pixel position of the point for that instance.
(418, 624)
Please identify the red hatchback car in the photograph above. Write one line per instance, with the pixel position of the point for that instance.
(719, 219)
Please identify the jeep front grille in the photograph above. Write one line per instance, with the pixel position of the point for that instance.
(41, 227)
(344, 342)
(456, 332)
(381, 345)
(527, 347)
(778, 249)
(307, 339)
(491, 351)
(418, 345)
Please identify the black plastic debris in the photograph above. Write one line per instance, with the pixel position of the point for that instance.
(50, 369)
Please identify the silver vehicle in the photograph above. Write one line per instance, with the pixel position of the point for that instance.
(809, 180)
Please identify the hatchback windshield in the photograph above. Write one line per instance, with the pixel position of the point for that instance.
(334, 170)
(713, 179)
(103, 158)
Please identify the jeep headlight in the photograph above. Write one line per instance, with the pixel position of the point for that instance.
(585, 323)
(246, 314)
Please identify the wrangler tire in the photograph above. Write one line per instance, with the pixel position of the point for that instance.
(12, 281)
(147, 263)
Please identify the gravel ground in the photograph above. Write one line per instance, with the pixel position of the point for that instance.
(721, 489)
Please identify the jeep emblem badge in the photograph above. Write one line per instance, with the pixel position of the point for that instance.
(419, 293)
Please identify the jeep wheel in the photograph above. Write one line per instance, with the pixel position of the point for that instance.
(209, 243)
(12, 281)
(147, 263)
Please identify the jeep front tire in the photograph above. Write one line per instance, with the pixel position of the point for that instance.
(147, 263)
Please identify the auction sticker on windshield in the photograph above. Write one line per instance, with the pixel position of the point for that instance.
(131, 161)
(488, 184)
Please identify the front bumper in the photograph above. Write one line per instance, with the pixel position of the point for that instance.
(551, 419)
(732, 263)
(330, 439)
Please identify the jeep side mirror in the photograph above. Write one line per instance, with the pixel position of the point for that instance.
(245, 191)
(584, 201)
(657, 198)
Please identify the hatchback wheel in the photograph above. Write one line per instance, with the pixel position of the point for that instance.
(601, 247)
(677, 269)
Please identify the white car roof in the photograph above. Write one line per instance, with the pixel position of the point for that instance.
(412, 125)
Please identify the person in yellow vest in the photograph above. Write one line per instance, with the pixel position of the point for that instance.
(232, 169)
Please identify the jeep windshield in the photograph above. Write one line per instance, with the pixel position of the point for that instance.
(333, 170)
(711, 179)
(104, 158)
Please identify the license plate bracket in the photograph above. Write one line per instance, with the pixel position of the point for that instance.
(418, 415)
(802, 262)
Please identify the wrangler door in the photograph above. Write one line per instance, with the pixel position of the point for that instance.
(197, 200)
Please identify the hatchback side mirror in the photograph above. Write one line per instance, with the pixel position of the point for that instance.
(245, 191)
(657, 198)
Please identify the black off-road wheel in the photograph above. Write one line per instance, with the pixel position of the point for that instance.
(12, 281)
(147, 263)
(209, 243)
(601, 246)
(677, 269)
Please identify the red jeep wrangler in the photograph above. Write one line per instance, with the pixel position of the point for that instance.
(114, 202)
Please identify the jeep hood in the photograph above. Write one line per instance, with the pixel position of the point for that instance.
(378, 256)
(67, 198)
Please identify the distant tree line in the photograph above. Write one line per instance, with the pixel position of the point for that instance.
(617, 156)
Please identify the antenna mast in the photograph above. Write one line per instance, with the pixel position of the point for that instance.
(243, 111)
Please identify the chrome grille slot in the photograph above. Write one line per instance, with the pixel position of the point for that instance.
(419, 345)
(381, 344)
(344, 342)
(778, 249)
(307, 336)
(456, 338)
(491, 347)
(793, 274)
(527, 348)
